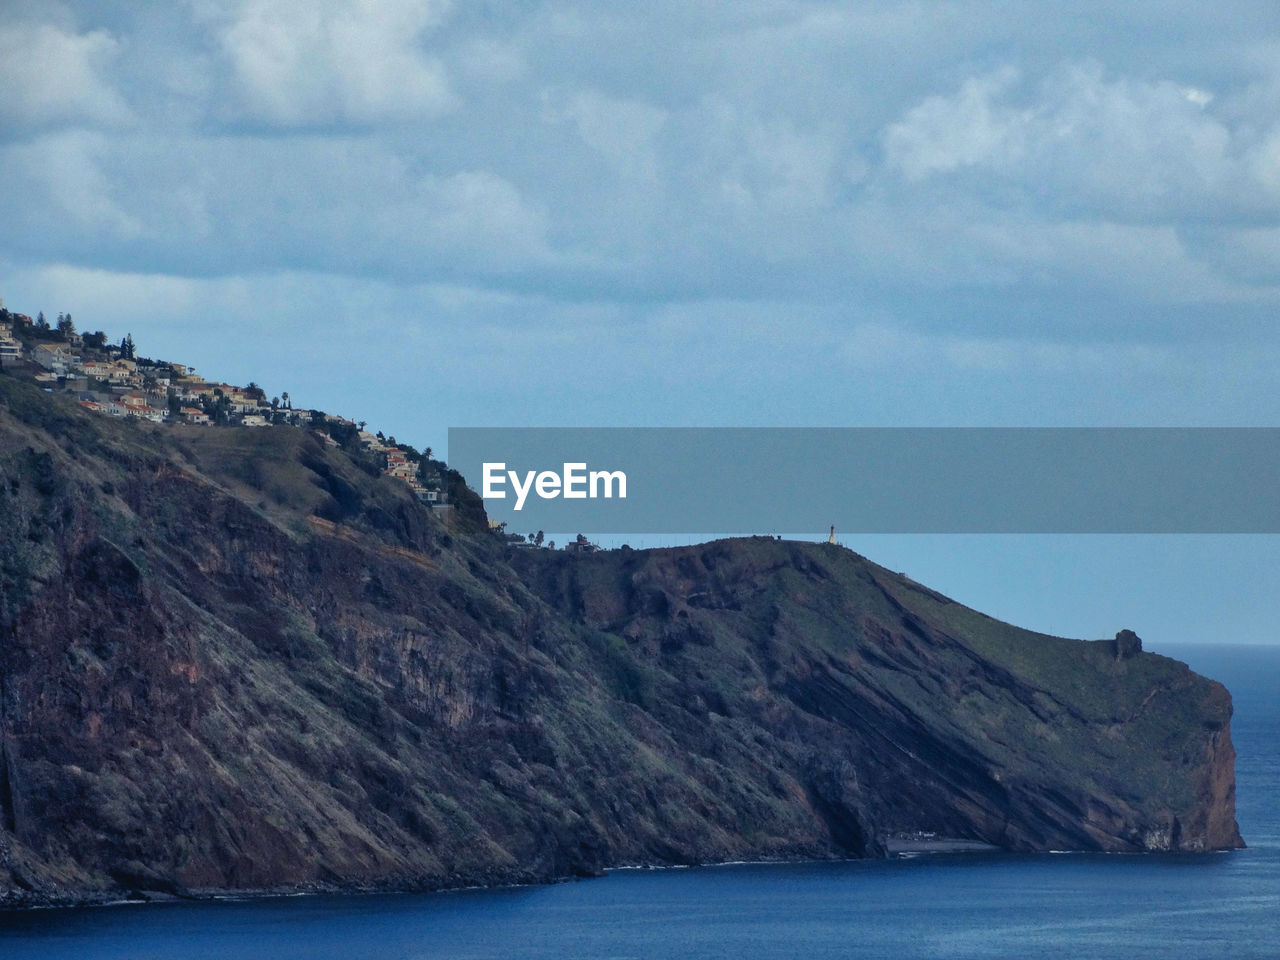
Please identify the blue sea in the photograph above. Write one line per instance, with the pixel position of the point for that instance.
(953, 905)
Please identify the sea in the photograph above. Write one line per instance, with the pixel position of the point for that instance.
(979, 905)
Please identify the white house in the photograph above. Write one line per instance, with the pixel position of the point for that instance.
(55, 357)
(10, 349)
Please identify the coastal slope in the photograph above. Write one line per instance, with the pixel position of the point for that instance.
(236, 659)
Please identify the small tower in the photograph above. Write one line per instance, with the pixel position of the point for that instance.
(831, 537)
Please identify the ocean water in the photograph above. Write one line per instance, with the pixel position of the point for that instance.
(969, 905)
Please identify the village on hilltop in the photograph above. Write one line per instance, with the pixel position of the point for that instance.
(113, 380)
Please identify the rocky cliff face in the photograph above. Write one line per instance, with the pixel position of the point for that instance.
(230, 660)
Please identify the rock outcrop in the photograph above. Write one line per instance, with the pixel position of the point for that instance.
(234, 659)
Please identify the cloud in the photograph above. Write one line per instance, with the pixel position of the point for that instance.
(946, 133)
(59, 190)
(478, 213)
(623, 132)
(905, 155)
(116, 299)
(50, 77)
(1080, 141)
(225, 205)
(868, 346)
(360, 61)
(1250, 255)
(489, 60)
(767, 166)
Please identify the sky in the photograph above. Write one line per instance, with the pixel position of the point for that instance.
(425, 214)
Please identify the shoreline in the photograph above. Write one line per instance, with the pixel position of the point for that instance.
(896, 849)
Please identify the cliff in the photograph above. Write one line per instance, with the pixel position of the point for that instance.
(235, 659)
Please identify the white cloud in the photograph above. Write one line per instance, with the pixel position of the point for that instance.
(301, 64)
(111, 298)
(624, 132)
(1083, 141)
(1201, 98)
(772, 150)
(945, 133)
(64, 173)
(49, 76)
(479, 213)
(762, 172)
(207, 206)
(784, 168)
(1264, 161)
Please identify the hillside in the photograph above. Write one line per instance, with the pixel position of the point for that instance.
(239, 659)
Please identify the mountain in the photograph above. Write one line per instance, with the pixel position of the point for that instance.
(236, 659)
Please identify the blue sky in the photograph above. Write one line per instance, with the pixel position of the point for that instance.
(424, 214)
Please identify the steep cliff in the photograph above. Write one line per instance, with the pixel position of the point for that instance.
(234, 659)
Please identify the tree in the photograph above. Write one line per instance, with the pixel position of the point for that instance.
(41, 322)
(275, 403)
(126, 347)
(95, 341)
(66, 327)
(539, 537)
(284, 398)
(344, 434)
(255, 391)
